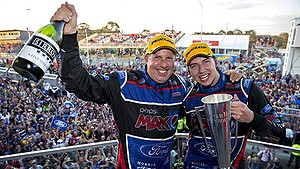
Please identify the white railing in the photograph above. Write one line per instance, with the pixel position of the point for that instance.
(57, 150)
(114, 142)
(14, 76)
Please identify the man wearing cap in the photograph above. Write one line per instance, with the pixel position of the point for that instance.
(250, 108)
(69, 163)
(146, 104)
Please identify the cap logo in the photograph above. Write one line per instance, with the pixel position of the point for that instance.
(161, 39)
(196, 47)
(159, 42)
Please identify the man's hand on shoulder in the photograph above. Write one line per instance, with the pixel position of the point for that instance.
(234, 76)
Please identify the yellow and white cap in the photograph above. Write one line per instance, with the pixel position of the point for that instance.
(197, 49)
(160, 41)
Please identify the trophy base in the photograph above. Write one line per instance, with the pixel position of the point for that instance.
(231, 167)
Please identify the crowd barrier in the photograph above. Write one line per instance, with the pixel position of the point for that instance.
(15, 77)
(114, 142)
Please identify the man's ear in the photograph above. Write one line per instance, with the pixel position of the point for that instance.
(189, 69)
(146, 58)
(216, 62)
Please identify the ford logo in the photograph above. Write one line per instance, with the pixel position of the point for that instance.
(155, 151)
(60, 123)
(206, 150)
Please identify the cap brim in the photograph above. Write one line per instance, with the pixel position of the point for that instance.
(199, 55)
(164, 47)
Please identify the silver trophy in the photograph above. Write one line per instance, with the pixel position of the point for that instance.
(216, 107)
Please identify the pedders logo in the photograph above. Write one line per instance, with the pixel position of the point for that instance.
(156, 122)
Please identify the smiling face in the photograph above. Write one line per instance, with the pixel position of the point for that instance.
(204, 70)
(160, 65)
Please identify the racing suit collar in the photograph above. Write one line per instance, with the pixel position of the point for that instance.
(212, 89)
(151, 81)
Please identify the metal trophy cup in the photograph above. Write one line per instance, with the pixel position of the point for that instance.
(216, 107)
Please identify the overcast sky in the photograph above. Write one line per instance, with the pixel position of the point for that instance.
(263, 16)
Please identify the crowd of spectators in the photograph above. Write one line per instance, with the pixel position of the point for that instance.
(10, 47)
(265, 41)
(27, 110)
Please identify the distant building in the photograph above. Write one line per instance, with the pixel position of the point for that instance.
(220, 44)
(14, 36)
(292, 58)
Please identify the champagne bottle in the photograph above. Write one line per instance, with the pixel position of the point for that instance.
(39, 52)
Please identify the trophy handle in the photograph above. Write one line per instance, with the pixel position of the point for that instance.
(236, 129)
(236, 136)
(201, 108)
(198, 110)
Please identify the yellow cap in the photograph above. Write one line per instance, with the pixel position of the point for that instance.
(195, 49)
(160, 41)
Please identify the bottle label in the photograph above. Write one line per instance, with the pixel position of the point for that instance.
(41, 50)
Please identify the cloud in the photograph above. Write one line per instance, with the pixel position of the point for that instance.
(237, 5)
(273, 25)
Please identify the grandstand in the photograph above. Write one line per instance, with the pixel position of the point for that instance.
(112, 40)
(14, 36)
(11, 41)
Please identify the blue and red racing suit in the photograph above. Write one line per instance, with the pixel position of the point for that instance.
(145, 112)
(201, 156)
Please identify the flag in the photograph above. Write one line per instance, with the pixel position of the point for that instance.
(59, 123)
(67, 104)
(45, 88)
(28, 33)
(74, 114)
(296, 100)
